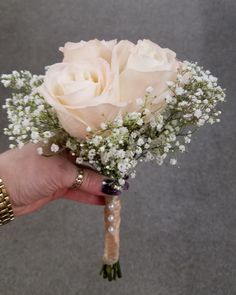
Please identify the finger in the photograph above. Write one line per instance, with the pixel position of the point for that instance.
(84, 197)
(93, 182)
(96, 184)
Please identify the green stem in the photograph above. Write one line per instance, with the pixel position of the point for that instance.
(111, 272)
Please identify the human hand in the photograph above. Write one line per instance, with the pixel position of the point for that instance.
(33, 180)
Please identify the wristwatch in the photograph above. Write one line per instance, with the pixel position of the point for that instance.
(6, 212)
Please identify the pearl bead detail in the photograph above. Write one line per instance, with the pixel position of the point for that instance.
(111, 206)
(111, 229)
(110, 218)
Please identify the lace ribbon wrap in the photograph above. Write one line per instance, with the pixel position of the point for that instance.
(112, 230)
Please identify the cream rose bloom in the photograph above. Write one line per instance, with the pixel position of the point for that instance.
(80, 88)
(143, 65)
(99, 80)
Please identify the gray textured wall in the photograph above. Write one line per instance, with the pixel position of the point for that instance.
(179, 224)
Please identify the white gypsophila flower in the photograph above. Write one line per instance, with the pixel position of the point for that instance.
(173, 161)
(182, 148)
(166, 149)
(149, 89)
(140, 122)
(40, 150)
(122, 167)
(123, 130)
(19, 83)
(120, 154)
(200, 122)
(96, 140)
(54, 148)
(35, 135)
(168, 98)
(102, 149)
(134, 115)
(91, 154)
(159, 127)
(170, 83)
(153, 123)
(103, 126)
(121, 181)
(6, 83)
(140, 142)
(16, 129)
(139, 101)
(118, 121)
(88, 129)
(211, 121)
(133, 163)
(25, 122)
(70, 144)
(198, 113)
(48, 134)
(79, 160)
(199, 92)
(36, 112)
(149, 156)
(133, 174)
(187, 116)
(172, 137)
(134, 134)
(130, 154)
(146, 112)
(179, 91)
(138, 150)
(105, 158)
(187, 139)
(183, 104)
(205, 117)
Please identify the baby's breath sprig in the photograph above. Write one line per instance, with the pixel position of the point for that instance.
(116, 147)
(22, 81)
(31, 118)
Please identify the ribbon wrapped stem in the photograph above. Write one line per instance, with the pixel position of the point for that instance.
(111, 266)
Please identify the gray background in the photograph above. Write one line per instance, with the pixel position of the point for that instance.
(178, 231)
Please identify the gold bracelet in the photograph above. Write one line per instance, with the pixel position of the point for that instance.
(6, 212)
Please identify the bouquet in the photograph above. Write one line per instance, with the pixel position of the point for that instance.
(112, 105)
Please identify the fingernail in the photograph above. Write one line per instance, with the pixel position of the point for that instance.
(110, 187)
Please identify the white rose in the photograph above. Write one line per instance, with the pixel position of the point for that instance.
(80, 88)
(143, 65)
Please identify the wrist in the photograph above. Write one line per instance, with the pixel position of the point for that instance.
(6, 211)
(5, 182)
(3, 171)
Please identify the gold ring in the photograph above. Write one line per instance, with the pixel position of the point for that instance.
(79, 179)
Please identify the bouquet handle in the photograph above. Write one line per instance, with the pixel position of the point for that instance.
(111, 265)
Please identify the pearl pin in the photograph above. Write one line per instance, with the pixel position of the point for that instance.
(110, 218)
(111, 229)
(111, 206)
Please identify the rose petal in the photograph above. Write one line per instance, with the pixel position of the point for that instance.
(74, 52)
